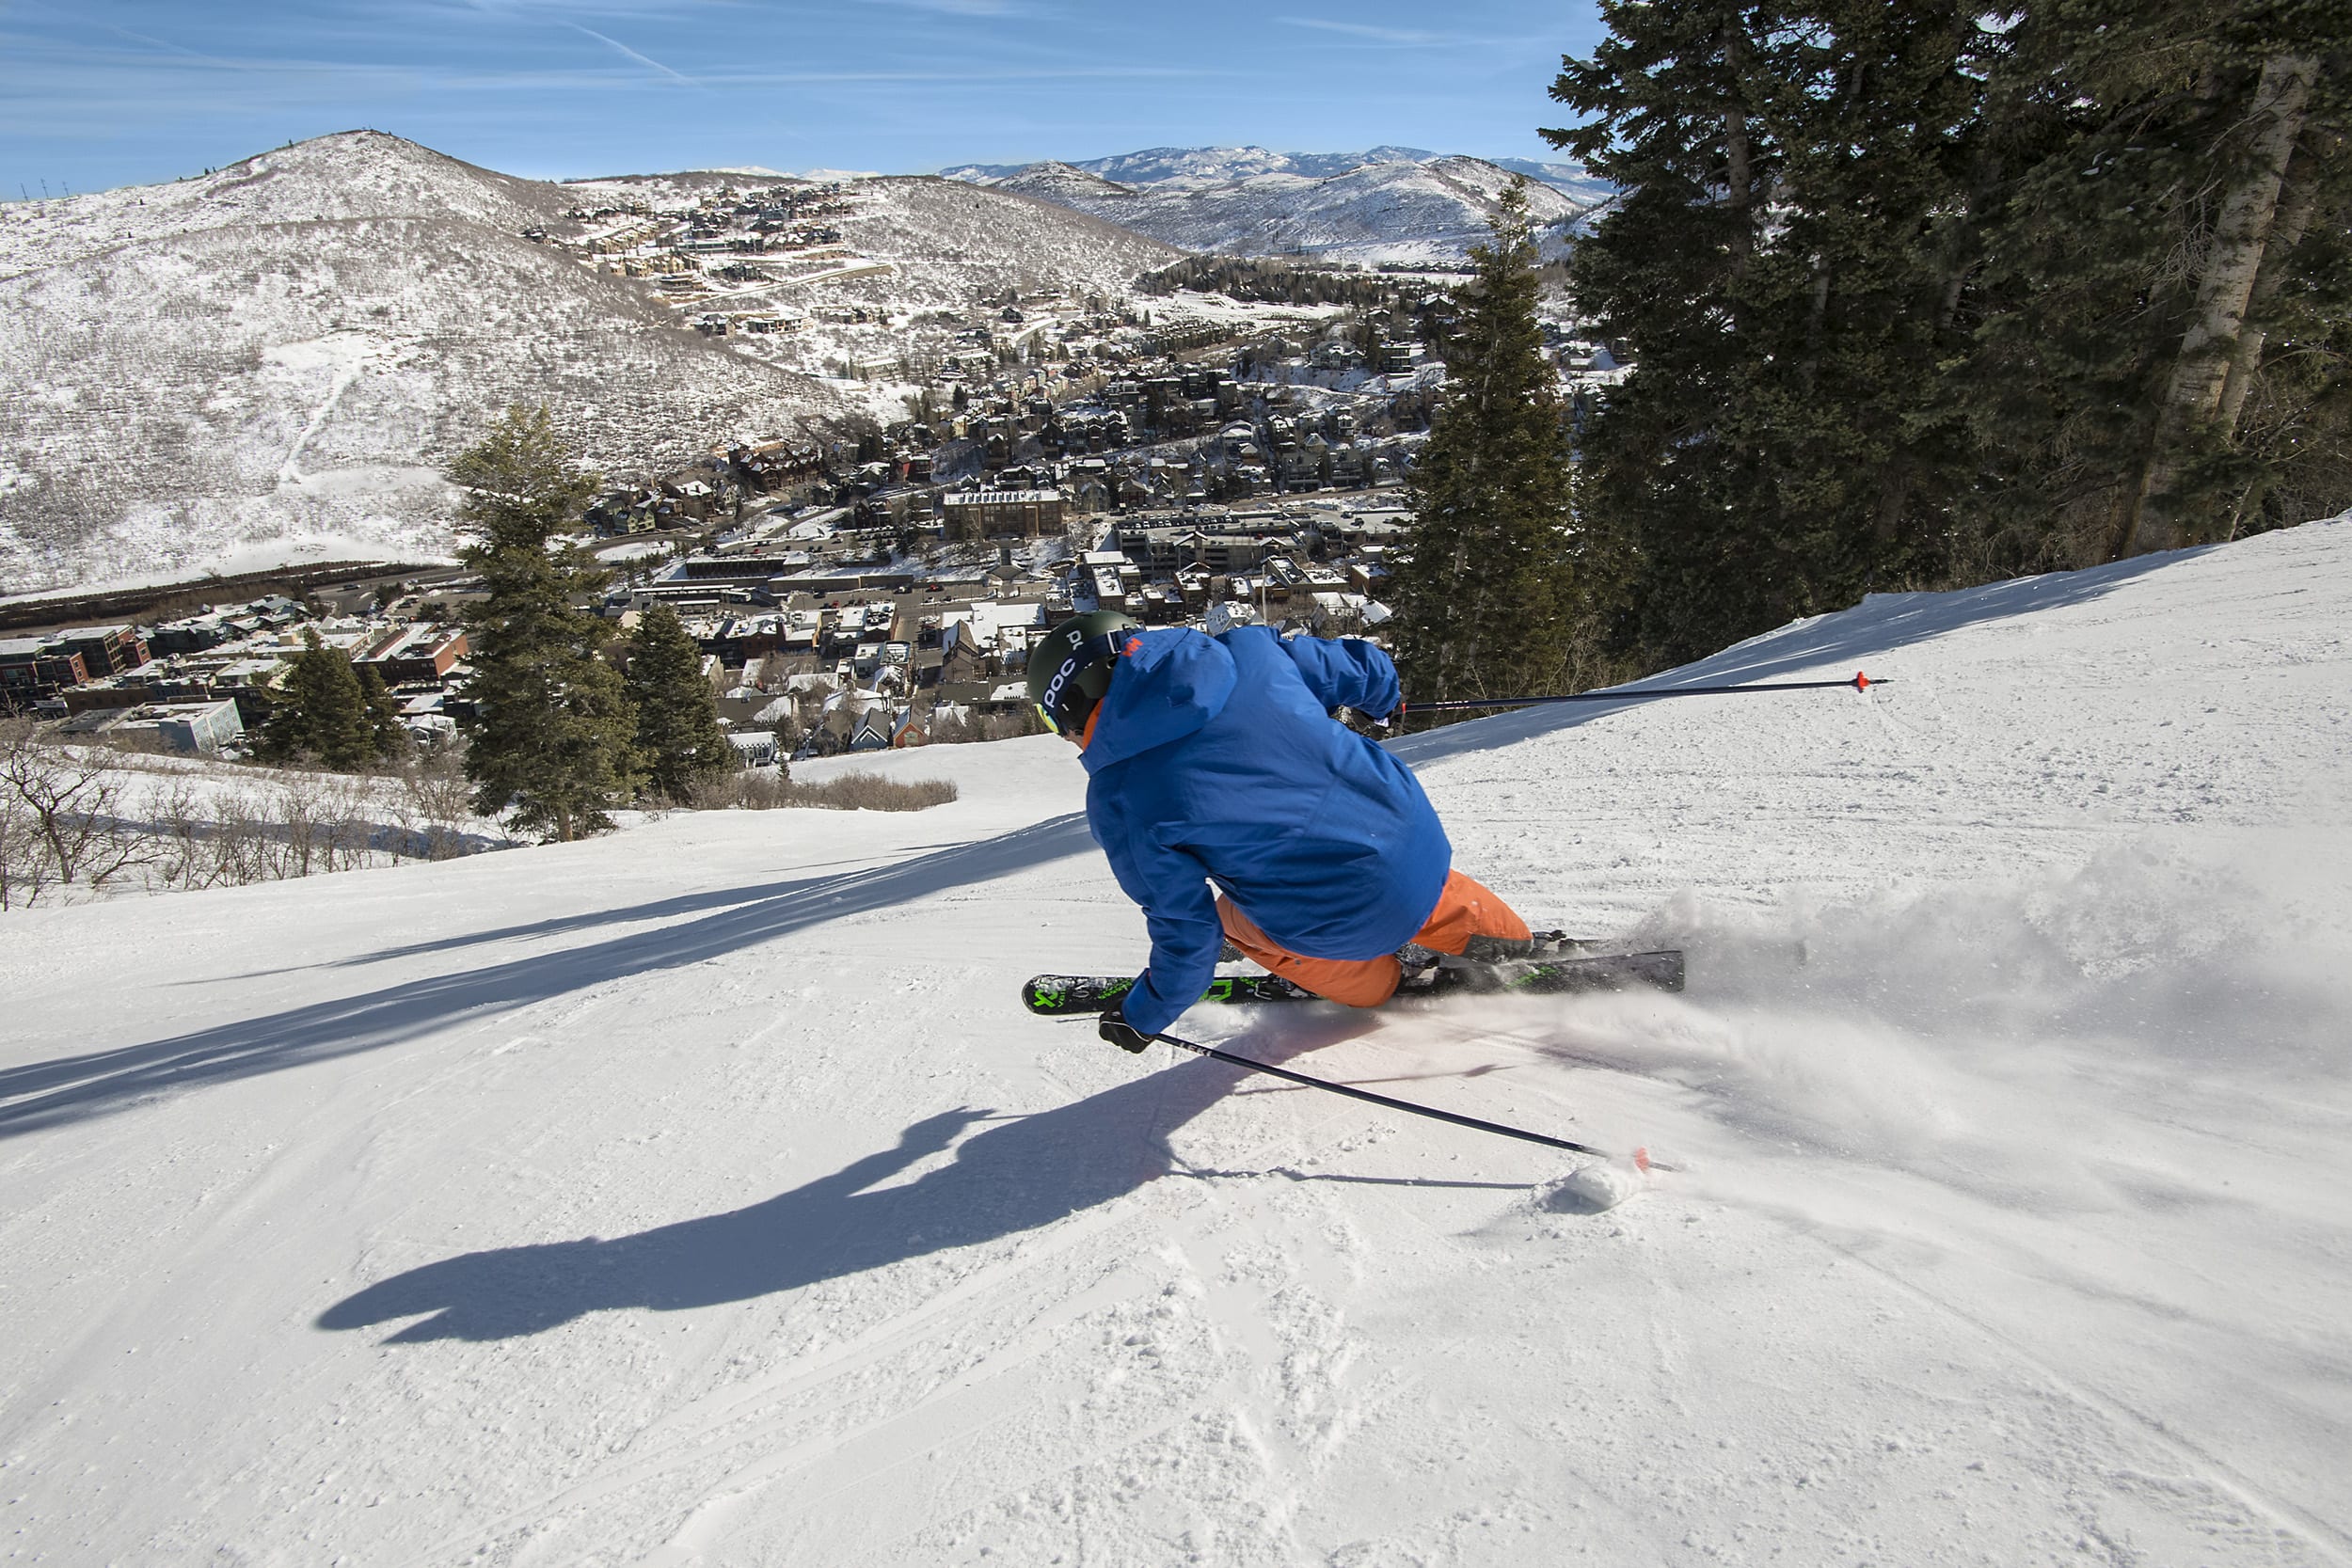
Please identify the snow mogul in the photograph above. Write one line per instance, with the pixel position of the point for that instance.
(1217, 759)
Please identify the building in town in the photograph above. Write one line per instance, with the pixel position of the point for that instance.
(1002, 514)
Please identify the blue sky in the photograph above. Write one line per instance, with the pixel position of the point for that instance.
(95, 93)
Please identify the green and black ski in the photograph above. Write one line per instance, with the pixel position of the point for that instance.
(1073, 995)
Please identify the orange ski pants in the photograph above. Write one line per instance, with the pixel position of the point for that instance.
(1465, 910)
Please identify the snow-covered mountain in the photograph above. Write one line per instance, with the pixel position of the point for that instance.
(1217, 166)
(1588, 190)
(1208, 166)
(1389, 204)
(272, 363)
(701, 1194)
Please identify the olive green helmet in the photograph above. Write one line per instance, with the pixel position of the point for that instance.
(1071, 669)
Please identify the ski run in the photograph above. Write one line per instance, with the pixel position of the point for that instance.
(702, 1194)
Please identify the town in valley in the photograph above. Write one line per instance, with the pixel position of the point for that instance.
(1220, 441)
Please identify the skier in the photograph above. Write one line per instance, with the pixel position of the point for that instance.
(1218, 760)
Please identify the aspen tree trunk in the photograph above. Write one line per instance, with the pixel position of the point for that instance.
(1740, 179)
(2200, 373)
(1738, 167)
(2295, 215)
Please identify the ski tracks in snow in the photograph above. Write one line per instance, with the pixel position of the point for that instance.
(1164, 1314)
(344, 355)
(2261, 1517)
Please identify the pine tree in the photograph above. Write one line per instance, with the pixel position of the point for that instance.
(1920, 293)
(552, 731)
(2163, 355)
(1660, 492)
(678, 720)
(321, 711)
(1857, 288)
(385, 735)
(1484, 597)
(1788, 259)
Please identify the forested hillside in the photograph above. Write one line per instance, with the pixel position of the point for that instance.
(1927, 295)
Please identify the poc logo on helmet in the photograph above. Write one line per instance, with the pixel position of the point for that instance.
(1052, 700)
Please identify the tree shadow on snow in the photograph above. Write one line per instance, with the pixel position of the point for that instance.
(68, 1088)
(1016, 1175)
(577, 920)
(1880, 626)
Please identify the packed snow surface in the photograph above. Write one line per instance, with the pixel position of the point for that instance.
(702, 1194)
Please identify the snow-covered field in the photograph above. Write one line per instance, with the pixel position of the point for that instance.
(701, 1194)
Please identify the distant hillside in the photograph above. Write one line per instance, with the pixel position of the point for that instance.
(1391, 204)
(271, 363)
(945, 241)
(1190, 168)
(1158, 166)
(1586, 190)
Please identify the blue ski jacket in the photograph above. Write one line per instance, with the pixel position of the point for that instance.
(1217, 760)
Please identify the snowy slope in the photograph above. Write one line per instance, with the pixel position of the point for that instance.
(947, 242)
(939, 242)
(273, 363)
(700, 1195)
(1388, 207)
(357, 174)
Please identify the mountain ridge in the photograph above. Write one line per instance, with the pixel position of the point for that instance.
(1390, 204)
(1165, 165)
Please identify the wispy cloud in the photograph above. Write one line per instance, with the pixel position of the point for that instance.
(1365, 30)
(983, 77)
(644, 10)
(83, 87)
(165, 44)
(962, 7)
(645, 60)
(1407, 38)
(111, 89)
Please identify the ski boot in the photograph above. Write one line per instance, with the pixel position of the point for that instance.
(1497, 963)
(1538, 945)
(1414, 959)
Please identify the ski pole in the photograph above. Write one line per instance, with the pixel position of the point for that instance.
(1640, 1156)
(1859, 682)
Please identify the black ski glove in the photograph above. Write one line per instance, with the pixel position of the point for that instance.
(1115, 1029)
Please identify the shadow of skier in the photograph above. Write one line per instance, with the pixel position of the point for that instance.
(1018, 1175)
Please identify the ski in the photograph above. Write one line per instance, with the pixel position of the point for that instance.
(1073, 995)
